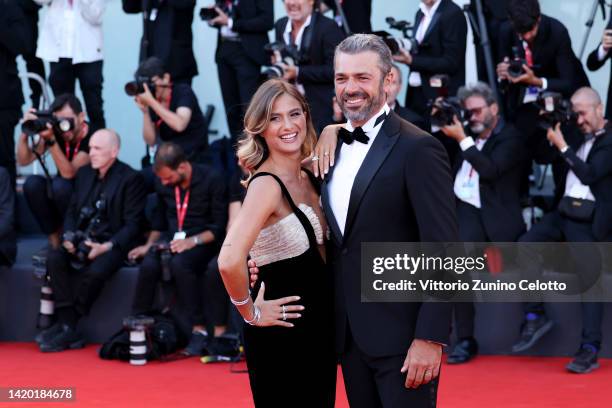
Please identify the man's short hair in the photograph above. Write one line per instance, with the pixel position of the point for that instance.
(67, 99)
(478, 89)
(169, 155)
(399, 71)
(151, 67)
(358, 43)
(523, 14)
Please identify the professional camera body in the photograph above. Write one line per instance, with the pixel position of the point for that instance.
(285, 54)
(444, 108)
(34, 126)
(395, 44)
(136, 87)
(554, 109)
(515, 69)
(162, 249)
(208, 13)
(88, 224)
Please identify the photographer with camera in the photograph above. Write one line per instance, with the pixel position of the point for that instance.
(538, 56)
(14, 40)
(188, 226)
(171, 112)
(102, 224)
(583, 214)
(441, 35)
(71, 40)
(167, 34)
(64, 133)
(487, 180)
(598, 58)
(243, 33)
(308, 40)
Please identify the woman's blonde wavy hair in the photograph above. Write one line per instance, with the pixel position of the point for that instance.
(252, 148)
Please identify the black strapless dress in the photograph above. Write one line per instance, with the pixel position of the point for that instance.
(295, 367)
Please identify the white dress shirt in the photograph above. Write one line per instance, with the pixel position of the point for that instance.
(467, 181)
(415, 77)
(573, 186)
(347, 165)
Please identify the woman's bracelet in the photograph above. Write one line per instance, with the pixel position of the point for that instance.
(256, 316)
(241, 302)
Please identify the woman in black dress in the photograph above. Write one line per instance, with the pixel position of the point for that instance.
(289, 341)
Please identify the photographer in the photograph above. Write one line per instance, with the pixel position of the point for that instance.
(538, 56)
(309, 40)
(48, 199)
(441, 33)
(103, 221)
(167, 34)
(487, 180)
(71, 40)
(243, 32)
(598, 58)
(587, 181)
(171, 112)
(14, 40)
(190, 219)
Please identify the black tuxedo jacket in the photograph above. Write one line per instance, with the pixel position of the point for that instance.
(402, 193)
(593, 64)
(442, 50)
(252, 21)
(317, 73)
(125, 199)
(596, 173)
(169, 36)
(499, 166)
(553, 59)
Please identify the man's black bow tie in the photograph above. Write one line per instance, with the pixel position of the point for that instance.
(349, 137)
(358, 134)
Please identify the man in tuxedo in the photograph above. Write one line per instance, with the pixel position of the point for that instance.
(441, 31)
(167, 34)
(243, 32)
(587, 178)
(103, 223)
(380, 155)
(312, 38)
(598, 58)
(487, 180)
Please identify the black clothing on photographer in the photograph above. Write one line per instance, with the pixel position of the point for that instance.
(49, 200)
(440, 51)
(553, 59)
(169, 35)
(594, 63)
(206, 211)
(316, 63)
(123, 192)
(14, 40)
(240, 55)
(596, 173)
(8, 237)
(194, 139)
(33, 63)
(358, 14)
(409, 115)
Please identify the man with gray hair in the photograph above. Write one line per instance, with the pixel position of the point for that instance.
(390, 352)
(102, 224)
(487, 189)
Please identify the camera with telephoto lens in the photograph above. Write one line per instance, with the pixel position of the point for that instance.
(59, 125)
(554, 109)
(395, 44)
(89, 222)
(515, 68)
(136, 87)
(445, 108)
(284, 54)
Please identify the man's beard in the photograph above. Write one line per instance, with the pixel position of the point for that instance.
(480, 127)
(368, 109)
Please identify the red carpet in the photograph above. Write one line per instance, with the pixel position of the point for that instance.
(505, 382)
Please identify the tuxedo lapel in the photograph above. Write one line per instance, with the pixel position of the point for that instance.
(331, 218)
(381, 147)
(434, 20)
(417, 21)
